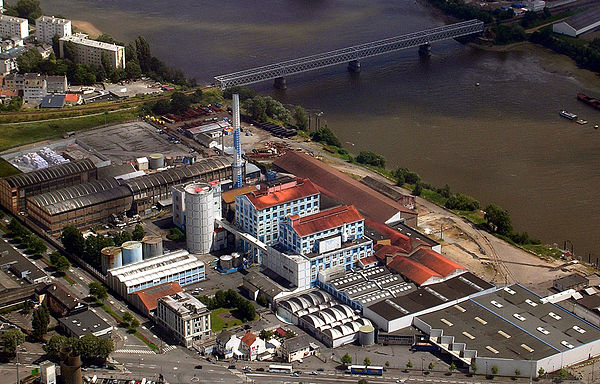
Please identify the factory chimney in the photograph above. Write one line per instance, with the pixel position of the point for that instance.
(237, 144)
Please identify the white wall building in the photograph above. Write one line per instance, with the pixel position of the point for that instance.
(34, 88)
(46, 27)
(47, 371)
(578, 24)
(184, 316)
(11, 26)
(90, 52)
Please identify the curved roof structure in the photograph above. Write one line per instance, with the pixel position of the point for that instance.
(178, 174)
(50, 173)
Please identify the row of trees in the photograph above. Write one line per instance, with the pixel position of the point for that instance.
(90, 249)
(33, 244)
(27, 9)
(178, 102)
(260, 108)
(90, 347)
(371, 158)
(586, 56)
(243, 309)
(460, 10)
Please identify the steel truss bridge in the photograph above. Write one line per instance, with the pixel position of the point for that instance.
(350, 55)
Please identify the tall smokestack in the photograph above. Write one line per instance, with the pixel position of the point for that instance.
(237, 144)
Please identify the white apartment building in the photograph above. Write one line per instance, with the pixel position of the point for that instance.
(46, 27)
(34, 88)
(184, 316)
(90, 52)
(11, 26)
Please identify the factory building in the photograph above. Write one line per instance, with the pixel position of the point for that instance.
(184, 317)
(260, 212)
(81, 205)
(321, 316)
(511, 329)
(179, 266)
(14, 190)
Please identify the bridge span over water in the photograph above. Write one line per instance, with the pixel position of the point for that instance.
(351, 55)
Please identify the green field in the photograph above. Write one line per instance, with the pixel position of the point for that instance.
(217, 323)
(6, 169)
(19, 134)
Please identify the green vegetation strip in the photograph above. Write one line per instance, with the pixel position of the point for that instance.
(16, 135)
(69, 280)
(16, 307)
(150, 344)
(217, 323)
(7, 169)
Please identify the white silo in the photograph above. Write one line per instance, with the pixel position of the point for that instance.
(132, 252)
(199, 217)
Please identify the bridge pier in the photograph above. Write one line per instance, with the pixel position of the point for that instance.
(425, 50)
(354, 66)
(280, 83)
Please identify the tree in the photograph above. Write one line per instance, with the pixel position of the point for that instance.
(462, 202)
(387, 364)
(180, 102)
(120, 237)
(62, 265)
(28, 9)
(69, 51)
(367, 361)
(127, 317)
(408, 176)
(301, 118)
(196, 97)
(262, 300)
(326, 135)
(563, 374)
(409, 364)
(11, 340)
(371, 158)
(135, 323)
(93, 248)
(98, 290)
(40, 321)
(72, 240)
(474, 367)
(498, 219)
(418, 189)
(541, 371)
(244, 93)
(161, 107)
(54, 345)
(256, 107)
(29, 61)
(131, 54)
(452, 367)
(138, 233)
(494, 370)
(346, 360)
(517, 372)
(265, 335)
(431, 366)
(144, 55)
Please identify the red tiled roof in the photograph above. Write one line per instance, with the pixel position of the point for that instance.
(342, 187)
(435, 261)
(383, 251)
(368, 260)
(72, 97)
(249, 338)
(412, 269)
(8, 92)
(324, 220)
(280, 331)
(396, 238)
(300, 189)
(150, 296)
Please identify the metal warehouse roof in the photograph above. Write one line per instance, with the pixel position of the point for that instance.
(50, 173)
(79, 196)
(175, 175)
(584, 19)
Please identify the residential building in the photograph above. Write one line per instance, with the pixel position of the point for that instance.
(57, 84)
(146, 300)
(260, 212)
(84, 323)
(179, 266)
(295, 348)
(14, 81)
(46, 27)
(12, 42)
(45, 50)
(184, 316)
(59, 300)
(7, 94)
(34, 88)
(227, 345)
(90, 52)
(251, 346)
(8, 60)
(11, 26)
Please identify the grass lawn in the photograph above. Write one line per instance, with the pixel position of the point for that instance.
(222, 318)
(7, 169)
(16, 135)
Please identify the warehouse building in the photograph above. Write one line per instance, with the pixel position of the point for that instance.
(578, 24)
(14, 190)
(81, 205)
(85, 323)
(179, 267)
(511, 329)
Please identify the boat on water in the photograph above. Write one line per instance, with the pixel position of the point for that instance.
(568, 115)
(582, 121)
(592, 102)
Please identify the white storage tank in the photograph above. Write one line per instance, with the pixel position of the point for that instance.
(199, 217)
(157, 160)
(132, 252)
(225, 262)
(111, 258)
(152, 246)
(366, 335)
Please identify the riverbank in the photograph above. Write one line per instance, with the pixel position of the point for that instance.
(86, 27)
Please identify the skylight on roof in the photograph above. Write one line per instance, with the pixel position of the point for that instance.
(579, 329)
(491, 349)
(527, 348)
(502, 333)
(496, 304)
(532, 303)
(446, 322)
(509, 290)
(567, 344)
(461, 309)
(554, 316)
(543, 330)
(483, 322)
(467, 334)
(519, 317)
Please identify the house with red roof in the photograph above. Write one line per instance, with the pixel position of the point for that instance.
(146, 300)
(251, 346)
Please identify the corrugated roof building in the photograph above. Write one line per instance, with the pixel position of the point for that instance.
(580, 23)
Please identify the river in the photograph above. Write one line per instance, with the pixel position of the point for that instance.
(501, 141)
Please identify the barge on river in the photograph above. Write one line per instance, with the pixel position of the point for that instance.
(568, 115)
(592, 102)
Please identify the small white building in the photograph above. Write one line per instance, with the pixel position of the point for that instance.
(184, 316)
(251, 346)
(580, 23)
(34, 88)
(228, 345)
(47, 372)
(295, 348)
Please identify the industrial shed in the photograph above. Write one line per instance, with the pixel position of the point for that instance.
(578, 24)
(80, 205)
(14, 190)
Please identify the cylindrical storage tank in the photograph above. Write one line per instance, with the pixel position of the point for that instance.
(157, 160)
(199, 217)
(366, 335)
(70, 368)
(169, 160)
(236, 259)
(225, 262)
(111, 258)
(152, 246)
(132, 252)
